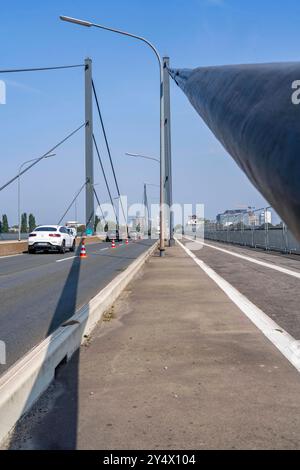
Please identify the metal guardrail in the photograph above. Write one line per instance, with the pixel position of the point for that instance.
(12, 236)
(275, 238)
(257, 228)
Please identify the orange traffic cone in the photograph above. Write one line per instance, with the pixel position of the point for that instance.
(113, 245)
(126, 241)
(83, 251)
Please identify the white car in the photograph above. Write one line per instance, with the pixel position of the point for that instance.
(133, 235)
(51, 237)
(72, 231)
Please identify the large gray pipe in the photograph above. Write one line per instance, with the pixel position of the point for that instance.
(249, 109)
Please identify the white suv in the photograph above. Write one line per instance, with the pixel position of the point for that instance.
(51, 237)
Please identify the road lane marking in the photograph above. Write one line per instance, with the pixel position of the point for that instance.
(11, 256)
(65, 259)
(283, 341)
(248, 258)
(102, 249)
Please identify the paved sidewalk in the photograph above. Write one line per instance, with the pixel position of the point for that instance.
(176, 365)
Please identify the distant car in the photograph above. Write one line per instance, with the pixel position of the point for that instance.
(112, 235)
(51, 238)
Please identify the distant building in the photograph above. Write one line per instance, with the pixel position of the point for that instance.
(265, 217)
(236, 216)
(253, 219)
(231, 217)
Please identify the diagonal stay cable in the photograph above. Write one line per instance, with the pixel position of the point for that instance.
(43, 156)
(37, 69)
(99, 204)
(73, 200)
(107, 146)
(93, 212)
(105, 179)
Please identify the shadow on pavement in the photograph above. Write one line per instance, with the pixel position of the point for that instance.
(62, 432)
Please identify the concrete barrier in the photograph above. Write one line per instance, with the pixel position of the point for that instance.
(24, 382)
(15, 247)
(12, 247)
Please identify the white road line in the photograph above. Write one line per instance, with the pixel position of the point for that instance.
(102, 249)
(283, 341)
(248, 258)
(65, 259)
(11, 256)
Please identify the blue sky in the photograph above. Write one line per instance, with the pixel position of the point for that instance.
(43, 107)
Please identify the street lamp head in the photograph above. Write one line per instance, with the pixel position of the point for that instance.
(69, 19)
(139, 155)
(132, 154)
(50, 155)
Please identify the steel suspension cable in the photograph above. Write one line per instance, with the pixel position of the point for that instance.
(107, 147)
(73, 200)
(99, 204)
(105, 179)
(43, 156)
(37, 69)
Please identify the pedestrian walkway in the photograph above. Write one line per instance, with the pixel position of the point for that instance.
(176, 365)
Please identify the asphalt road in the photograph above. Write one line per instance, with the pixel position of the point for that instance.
(39, 292)
(277, 294)
(177, 366)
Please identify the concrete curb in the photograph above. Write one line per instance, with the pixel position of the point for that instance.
(24, 382)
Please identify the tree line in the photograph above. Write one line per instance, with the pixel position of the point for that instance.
(28, 224)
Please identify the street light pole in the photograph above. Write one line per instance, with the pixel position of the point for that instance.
(168, 158)
(146, 207)
(19, 190)
(162, 113)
